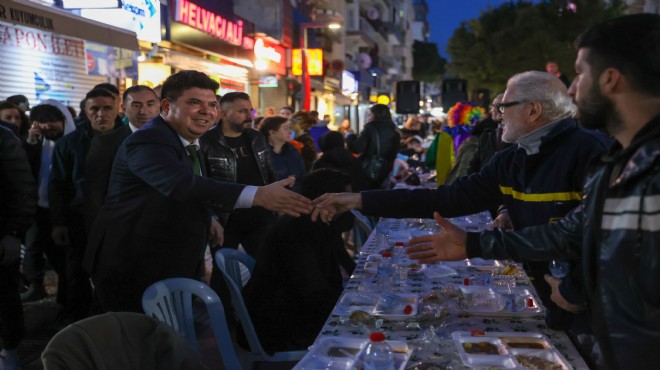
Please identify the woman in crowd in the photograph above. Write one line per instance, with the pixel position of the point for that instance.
(286, 159)
(301, 122)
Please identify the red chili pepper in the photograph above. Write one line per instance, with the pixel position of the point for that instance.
(386, 254)
(408, 309)
(477, 333)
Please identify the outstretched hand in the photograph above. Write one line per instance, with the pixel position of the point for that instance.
(328, 205)
(276, 197)
(448, 245)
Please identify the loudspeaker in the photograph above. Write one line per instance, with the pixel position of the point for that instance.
(408, 95)
(481, 97)
(453, 91)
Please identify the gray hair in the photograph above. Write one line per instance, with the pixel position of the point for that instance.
(546, 89)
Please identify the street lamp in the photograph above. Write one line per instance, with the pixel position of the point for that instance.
(306, 89)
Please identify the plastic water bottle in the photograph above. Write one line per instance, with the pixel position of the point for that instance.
(398, 253)
(378, 355)
(384, 274)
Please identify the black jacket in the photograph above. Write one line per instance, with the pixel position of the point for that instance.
(18, 193)
(221, 160)
(98, 164)
(365, 143)
(67, 173)
(615, 233)
(342, 160)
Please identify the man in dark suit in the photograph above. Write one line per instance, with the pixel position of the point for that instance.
(140, 104)
(155, 220)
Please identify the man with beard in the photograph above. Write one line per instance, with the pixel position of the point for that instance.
(616, 230)
(539, 179)
(237, 154)
(49, 122)
(65, 192)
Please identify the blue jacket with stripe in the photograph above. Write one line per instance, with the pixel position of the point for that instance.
(537, 189)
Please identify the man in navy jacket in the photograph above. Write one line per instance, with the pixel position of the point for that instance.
(155, 221)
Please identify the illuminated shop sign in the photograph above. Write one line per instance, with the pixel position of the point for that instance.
(270, 56)
(314, 62)
(213, 24)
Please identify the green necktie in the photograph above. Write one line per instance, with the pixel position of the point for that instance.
(192, 152)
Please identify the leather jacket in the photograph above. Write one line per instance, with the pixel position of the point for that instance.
(616, 235)
(221, 159)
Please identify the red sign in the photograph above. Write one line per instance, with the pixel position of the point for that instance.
(210, 23)
(272, 54)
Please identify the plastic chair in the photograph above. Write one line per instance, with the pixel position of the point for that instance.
(228, 261)
(170, 301)
(233, 259)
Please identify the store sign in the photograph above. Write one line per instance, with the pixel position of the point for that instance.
(216, 25)
(314, 62)
(26, 18)
(33, 39)
(139, 16)
(43, 65)
(271, 55)
(103, 60)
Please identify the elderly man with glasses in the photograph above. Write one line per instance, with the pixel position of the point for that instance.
(538, 179)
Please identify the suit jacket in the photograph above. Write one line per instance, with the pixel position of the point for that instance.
(98, 165)
(155, 220)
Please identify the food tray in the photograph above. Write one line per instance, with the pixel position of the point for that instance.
(352, 301)
(393, 306)
(516, 302)
(336, 353)
(505, 349)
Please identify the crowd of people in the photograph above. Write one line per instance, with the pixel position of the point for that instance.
(140, 186)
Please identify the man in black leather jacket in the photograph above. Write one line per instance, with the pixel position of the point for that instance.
(616, 230)
(239, 155)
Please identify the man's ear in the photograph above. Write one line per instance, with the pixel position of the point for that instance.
(609, 80)
(165, 106)
(535, 111)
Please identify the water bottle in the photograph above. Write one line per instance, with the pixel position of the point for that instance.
(400, 271)
(378, 354)
(384, 274)
(398, 253)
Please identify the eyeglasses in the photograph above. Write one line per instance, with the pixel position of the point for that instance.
(500, 106)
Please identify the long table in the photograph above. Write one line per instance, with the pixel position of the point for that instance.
(430, 341)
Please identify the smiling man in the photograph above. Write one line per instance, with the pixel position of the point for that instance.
(155, 220)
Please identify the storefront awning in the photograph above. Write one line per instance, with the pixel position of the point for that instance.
(45, 18)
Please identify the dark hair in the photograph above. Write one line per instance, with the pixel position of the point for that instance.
(46, 113)
(233, 96)
(629, 44)
(177, 83)
(256, 121)
(8, 105)
(108, 86)
(324, 180)
(82, 108)
(288, 107)
(381, 112)
(71, 110)
(99, 92)
(137, 89)
(272, 123)
(331, 140)
(21, 102)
